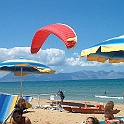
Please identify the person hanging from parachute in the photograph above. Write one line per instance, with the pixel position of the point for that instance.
(62, 31)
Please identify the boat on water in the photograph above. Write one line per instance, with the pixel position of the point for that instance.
(98, 109)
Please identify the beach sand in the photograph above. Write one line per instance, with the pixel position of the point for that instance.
(40, 116)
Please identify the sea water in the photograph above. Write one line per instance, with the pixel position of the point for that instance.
(86, 90)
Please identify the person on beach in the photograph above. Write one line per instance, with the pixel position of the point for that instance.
(62, 96)
(105, 92)
(18, 118)
(60, 107)
(92, 120)
(108, 114)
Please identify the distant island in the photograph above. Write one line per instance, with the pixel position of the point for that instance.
(79, 75)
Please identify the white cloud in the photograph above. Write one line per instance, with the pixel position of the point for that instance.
(61, 70)
(14, 53)
(49, 56)
(55, 58)
(79, 62)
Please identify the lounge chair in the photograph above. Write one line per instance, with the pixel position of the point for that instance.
(38, 100)
(27, 98)
(7, 104)
(53, 103)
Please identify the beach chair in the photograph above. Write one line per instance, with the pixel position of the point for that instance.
(27, 98)
(53, 103)
(52, 98)
(7, 104)
(38, 100)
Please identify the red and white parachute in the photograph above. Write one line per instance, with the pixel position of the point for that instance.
(62, 31)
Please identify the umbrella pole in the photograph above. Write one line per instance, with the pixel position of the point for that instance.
(21, 88)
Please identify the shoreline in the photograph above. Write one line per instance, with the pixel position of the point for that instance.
(40, 116)
(103, 99)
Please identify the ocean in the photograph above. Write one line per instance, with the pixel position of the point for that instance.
(86, 90)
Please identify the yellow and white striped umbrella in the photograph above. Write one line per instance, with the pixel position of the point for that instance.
(111, 50)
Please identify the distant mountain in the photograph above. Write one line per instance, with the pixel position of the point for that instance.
(79, 75)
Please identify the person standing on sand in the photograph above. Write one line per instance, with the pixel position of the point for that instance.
(62, 96)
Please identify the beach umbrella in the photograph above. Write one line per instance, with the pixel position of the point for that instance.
(111, 50)
(22, 67)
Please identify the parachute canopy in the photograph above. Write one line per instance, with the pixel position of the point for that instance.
(62, 31)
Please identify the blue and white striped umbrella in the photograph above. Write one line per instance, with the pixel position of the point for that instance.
(111, 50)
(27, 66)
(22, 67)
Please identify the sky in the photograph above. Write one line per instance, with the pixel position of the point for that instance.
(92, 20)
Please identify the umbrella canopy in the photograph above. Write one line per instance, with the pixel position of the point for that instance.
(111, 50)
(22, 67)
(27, 66)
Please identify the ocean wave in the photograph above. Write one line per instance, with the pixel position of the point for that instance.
(109, 97)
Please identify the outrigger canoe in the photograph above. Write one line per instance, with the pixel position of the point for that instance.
(98, 109)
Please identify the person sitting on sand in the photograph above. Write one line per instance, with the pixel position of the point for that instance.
(17, 117)
(60, 107)
(108, 114)
(108, 110)
(92, 120)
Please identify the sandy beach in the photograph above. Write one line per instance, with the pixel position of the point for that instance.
(40, 116)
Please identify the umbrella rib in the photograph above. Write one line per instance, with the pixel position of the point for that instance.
(112, 55)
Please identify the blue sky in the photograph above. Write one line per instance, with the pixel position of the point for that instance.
(93, 21)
